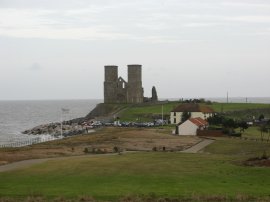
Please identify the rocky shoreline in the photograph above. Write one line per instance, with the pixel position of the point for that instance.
(68, 128)
(102, 112)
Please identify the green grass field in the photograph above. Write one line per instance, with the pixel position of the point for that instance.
(145, 112)
(255, 133)
(218, 171)
(225, 107)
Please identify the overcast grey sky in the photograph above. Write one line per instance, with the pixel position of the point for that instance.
(57, 49)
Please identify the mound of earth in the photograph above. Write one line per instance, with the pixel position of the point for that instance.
(265, 162)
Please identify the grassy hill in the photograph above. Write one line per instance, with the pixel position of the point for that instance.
(217, 173)
(145, 112)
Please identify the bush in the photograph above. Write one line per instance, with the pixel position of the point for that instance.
(115, 149)
(261, 117)
(264, 156)
(154, 149)
(99, 151)
(85, 150)
(236, 134)
(229, 123)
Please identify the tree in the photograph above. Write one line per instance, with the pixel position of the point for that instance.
(263, 129)
(243, 125)
(261, 117)
(229, 125)
(268, 130)
(185, 116)
(215, 120)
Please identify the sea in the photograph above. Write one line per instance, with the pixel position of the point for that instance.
(17, 116)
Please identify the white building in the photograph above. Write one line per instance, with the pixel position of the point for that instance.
(195, 110)
(191, 126)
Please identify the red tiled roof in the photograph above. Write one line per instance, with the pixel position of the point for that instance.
(198, 121)
(191, 107)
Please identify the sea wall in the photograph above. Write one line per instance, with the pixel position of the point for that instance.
(68, 129)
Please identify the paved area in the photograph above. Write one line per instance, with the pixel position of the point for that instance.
(196, 148)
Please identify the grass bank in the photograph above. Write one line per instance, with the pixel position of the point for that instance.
(145, 112)
(216, 172)
(104, 140)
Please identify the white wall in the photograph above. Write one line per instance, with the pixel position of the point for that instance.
(187, 128)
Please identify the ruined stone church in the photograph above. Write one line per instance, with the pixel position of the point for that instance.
(117, 90)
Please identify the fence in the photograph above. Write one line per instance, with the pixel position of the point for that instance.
(210, 133)
(30, 141)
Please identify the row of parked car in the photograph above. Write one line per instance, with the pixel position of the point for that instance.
(96, 124)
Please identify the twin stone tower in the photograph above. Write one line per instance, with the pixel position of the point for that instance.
(117, 90)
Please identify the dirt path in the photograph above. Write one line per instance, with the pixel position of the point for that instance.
(30, 162)
(197, 147)
(21, 164)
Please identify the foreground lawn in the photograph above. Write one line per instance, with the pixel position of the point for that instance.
(218, 171)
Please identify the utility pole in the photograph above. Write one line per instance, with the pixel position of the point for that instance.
(227, 97)
(61, 122)
(162, 114)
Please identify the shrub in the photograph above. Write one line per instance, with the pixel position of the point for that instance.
(235, 134)
(116, 149)
(85, 150)
(99, 151)
(264, 155)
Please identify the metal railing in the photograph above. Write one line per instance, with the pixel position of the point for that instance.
(29, 141)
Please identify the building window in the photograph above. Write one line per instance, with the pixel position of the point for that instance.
(174, 113)
(174, 120)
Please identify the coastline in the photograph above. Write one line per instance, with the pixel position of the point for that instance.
(18, 116)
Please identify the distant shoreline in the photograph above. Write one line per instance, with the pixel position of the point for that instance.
(254, 100)
(260, 100)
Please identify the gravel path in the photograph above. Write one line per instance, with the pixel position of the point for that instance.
(196, 148)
